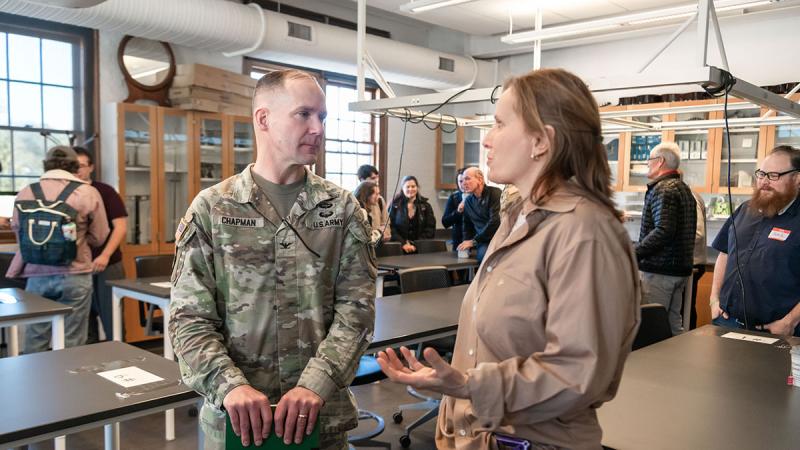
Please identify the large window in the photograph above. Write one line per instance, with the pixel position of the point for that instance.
(351, 139)
(42, 95)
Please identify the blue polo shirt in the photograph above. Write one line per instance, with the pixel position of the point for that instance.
(769, 257)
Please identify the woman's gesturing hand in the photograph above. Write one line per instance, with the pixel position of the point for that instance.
(439, 376)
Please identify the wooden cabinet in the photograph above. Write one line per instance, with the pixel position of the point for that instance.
(461, 148)
(165, 157)
(704, 151)
(159, 159)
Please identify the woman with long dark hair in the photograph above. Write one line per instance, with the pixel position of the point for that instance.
(549, 320)
(411, 215)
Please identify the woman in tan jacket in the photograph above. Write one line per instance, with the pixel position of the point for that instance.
(548, 321)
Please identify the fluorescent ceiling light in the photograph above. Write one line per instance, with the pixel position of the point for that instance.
(419, 6)
(620, 21)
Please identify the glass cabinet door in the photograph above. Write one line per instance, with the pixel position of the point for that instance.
(472, 147)
(694, 150)
(641, 145)
(243, 144)
(787, 135)
(138, 155)
(210, 139)
(611, 143)
(175, 187)
(744, 151)
(447, 169)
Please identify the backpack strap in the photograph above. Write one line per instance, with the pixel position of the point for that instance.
(71, 186)
(38, 194)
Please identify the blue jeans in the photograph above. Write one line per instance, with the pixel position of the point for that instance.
(70, 290)
(481, 251)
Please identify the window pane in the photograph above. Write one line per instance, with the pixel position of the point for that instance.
(365, 149)
(346, 96)
(5, 152)
(24, 52)
(332, 101)
(58, 108)
(3, 102)
(364, 159)
(349, 147)
(346, 130)
(6, 184)
(28, 153)
(363, 132)
(331, 128)
(26, 105)
(349, 162)
(21, 182)
(57, 62)
(349, 182)
(3, 73)
(333, 162)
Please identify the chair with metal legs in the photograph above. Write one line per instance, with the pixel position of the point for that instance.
(412, 280)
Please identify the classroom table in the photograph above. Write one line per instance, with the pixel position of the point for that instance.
(50, 394)
(450, 260)
(699, 390)
(18, 307)
(422, 316)
(143, 290)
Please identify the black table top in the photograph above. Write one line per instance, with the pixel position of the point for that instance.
(447, 259)
(405, 317)
(52, 391)
(26, 305)
(701, 391)
(143, 285)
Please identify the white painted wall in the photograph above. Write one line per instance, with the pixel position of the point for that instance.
(419, 156)
(761, 49)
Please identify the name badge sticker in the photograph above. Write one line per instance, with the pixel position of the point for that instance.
(779, 234)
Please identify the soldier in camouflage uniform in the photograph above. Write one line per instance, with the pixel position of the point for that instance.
(268, 308)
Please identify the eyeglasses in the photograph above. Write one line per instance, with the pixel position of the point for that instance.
(654, 158)
(773, 176)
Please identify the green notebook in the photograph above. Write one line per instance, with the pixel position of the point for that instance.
(233, 442)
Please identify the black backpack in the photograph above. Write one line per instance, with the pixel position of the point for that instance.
(48, 231)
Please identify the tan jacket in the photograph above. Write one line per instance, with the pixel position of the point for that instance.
(92, 224)
(545, 328)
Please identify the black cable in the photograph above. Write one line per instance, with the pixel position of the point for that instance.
(492, 100)
(728, 82)
(399, 171)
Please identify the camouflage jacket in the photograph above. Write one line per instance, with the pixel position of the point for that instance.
(274, 303)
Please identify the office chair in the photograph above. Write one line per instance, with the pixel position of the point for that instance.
(654, 326)
(413, 280)
(368, 372)
(152, 266)
(430, 246)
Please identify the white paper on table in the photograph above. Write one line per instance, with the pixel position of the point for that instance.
(749, 337)
(162, 284)
(130, 376)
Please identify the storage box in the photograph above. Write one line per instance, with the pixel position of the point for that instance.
(199, 75)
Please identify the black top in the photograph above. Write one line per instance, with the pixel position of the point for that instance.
(669, 221)
(769, 257)
(482, 214)
(50, 391)
(115, 208)
(448, 259)
(421, 226)
(424, 313)
(700, 391)
(17, 304)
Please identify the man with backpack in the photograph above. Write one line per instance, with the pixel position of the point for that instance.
(57, 220)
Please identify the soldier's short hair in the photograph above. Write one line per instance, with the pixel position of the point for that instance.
(277, 80)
